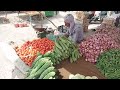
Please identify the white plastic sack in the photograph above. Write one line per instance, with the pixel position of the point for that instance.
(11, 55)
(56, 32)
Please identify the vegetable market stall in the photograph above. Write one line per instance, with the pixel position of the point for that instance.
(58, 59)
(55, 59)
(80, 66)
(63, 66)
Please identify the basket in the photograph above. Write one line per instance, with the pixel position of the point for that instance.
(41, 32)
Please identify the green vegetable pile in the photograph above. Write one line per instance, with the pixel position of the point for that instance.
(63, 49)
(109, 64)
(42, 68)
(79, 76)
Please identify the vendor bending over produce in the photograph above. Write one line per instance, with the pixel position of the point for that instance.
(74, 30)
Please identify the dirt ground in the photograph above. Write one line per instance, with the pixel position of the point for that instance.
(81, 66)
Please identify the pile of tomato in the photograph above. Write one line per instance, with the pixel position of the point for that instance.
(28, 51)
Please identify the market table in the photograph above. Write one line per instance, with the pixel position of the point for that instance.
(32, 13)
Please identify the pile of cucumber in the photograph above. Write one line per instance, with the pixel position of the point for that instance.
(42, 68)
(64, 49)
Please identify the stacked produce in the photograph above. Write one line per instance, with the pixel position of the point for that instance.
(42, 68)
(21, 25)
(109, 64)
(28, 51)
(110, 30)
(95, 45)
(109, 21)
(64, 49)
(79, 76)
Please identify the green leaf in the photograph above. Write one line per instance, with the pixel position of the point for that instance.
(109, 64)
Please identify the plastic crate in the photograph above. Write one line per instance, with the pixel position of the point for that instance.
(49, 13)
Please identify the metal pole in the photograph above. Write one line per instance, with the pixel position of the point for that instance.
(19, 15)
(6, 14)
(50, 21)
(30, 20)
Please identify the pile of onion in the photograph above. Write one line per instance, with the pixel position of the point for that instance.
(110, 30)
(94, 45)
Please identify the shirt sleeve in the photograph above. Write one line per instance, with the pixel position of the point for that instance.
(67, 33)
(78, 34)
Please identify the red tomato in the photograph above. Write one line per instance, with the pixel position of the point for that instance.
(16, 25)
(41, 45)
(25, 25)
(20, 25)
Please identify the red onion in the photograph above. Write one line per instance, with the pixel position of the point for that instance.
(95, 45)
(111, 31)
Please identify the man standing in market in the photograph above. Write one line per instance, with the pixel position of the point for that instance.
(74, 30)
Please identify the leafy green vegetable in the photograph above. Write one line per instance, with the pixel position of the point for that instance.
(109, 64)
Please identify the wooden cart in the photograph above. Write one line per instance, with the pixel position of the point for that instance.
(32, 13)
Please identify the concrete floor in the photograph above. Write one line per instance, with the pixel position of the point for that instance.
(9, 33)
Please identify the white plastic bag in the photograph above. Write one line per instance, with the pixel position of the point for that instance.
(56, 32)
(11, 55)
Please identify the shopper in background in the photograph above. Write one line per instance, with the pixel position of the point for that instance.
(117, 21)
(91, 14)
(74, 30)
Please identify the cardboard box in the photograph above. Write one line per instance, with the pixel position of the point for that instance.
(109, 21)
